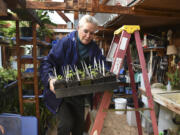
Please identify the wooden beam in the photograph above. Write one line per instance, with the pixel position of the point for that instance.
(104, 2)
(64, 17)
(61, 14)
(12, 3)
(82, 5)
(156, 12)
(22, 3)
(3, 8)
(101, 114)
(76, 18)
(102, 9)
(58, 26)
(62, 6)
(46, 5)
(95, 4)
(35, 64)
(19, 69)
(76, 15)
(101, 28)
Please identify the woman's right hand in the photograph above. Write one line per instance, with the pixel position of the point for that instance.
(51, 85)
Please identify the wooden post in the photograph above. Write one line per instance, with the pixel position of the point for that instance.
(101, 114)
(76, 18)
(35, 73)
(19, 68)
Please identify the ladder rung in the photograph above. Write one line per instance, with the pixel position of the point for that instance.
(25, 42)
(32, 96)
(138, 109)
(29, 100)
(123, 95)
(28, 59)
(28, 81)
(28, 74)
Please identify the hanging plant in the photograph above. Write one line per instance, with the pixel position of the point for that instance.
(43, 31)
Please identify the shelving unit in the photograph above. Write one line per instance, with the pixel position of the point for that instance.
(33, 61)
(28, 78)
(159, 50)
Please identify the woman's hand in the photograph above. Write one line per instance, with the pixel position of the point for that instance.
(51, 85)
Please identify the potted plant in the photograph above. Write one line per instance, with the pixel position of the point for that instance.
(174, 78)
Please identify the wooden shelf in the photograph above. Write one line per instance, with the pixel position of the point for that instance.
(29, 75)
(154, 49)
(30, 98)
(27, 81)
(29, 59)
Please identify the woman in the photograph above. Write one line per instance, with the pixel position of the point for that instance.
(70, 50)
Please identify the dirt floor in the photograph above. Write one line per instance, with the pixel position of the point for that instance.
(115, 124)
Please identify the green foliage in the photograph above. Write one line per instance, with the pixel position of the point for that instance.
(10, 31)
(7, 75)
(8, 96)
(71, 74)
(94, 72)
(82, 74)
(43, 31)
(174, 78)
(59, 77)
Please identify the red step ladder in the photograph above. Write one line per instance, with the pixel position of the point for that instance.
(119, 47)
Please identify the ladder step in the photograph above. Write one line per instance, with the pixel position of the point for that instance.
(27, 81)
(28, 59)
(122, 95)
(138, 109)
(31, 92)
(30, 98)
(25, 42)
(28, 74)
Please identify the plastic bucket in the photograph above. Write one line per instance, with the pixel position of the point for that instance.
(131, 117)
(120, 103)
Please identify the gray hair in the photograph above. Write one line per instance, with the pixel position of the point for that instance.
(88, 19)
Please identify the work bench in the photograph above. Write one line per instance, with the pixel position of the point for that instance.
(167, 106)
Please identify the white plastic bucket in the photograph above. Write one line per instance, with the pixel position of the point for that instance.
(120, 103)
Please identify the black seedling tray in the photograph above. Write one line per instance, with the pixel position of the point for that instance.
(85, 89)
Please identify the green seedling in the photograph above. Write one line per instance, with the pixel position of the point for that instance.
(59, 77)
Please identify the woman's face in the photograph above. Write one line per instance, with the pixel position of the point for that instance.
(86, 32)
